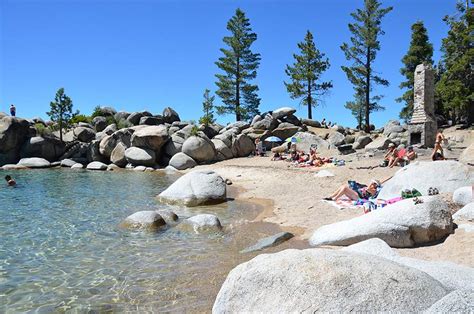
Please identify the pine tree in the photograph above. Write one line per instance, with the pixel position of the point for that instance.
(362, 51)
(357, 108)
(455, 88)
(208, 109)
(61, 110)
(420, 51)
(240, 65)
(305, 74)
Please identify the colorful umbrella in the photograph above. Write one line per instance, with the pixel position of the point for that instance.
(273, 139)
(293, 139)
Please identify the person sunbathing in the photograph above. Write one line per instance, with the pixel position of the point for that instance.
(390, 156)
(355, 191)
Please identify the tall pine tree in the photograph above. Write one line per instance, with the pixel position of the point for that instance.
(61, 110)
(357, 108)
(420, 51)
(240, 65)
(362, 51)
(455, 88)
(305, 74)
(208, 109)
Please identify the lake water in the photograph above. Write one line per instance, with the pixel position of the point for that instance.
(62, 250)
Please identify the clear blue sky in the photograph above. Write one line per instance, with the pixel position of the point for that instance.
(145, 55)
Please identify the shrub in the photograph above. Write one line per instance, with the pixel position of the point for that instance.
(194, 130)
(81, 118)
(122, 124)
(42, 130)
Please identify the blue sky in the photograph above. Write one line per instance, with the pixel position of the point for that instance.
(146, 55)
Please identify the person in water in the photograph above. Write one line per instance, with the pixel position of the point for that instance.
(10, 180)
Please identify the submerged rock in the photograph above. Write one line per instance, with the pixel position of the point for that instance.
(270, 241)
(403, 224)
(319, 280)
(203, 223)
(147, 219)
(196, 188)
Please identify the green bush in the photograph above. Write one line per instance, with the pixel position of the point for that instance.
(110, 120)
(80, 118)
(122, 124)
(194, 130)
(42, 130)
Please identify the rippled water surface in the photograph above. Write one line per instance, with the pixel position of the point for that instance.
(61, 248)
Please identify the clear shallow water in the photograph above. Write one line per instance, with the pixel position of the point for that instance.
(61, 248)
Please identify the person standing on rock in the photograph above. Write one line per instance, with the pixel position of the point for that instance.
(438, 153)
(12, 110)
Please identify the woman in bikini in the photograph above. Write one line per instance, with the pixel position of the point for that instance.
(355, 191)
(438, 153)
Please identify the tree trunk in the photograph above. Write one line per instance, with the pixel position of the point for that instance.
(367, 93)
(238, 116)
(61, 130)
(310, 104)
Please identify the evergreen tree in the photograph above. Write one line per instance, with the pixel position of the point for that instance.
(208, 109)
(61, 110)
(362, 51)
(305, 74)
(357, 108)
(240, 65)
(420, 51)
(455, 88)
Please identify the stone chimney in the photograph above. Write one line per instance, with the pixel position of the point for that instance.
(423, 127)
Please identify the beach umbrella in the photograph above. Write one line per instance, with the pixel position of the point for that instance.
(273, 139)
(293, 139)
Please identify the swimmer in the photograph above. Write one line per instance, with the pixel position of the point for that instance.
(10, 181)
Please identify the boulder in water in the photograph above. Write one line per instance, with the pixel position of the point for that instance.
(269, 241)
(34, 162)
(140, 156)
(147, 219)
(203, 222)
(96, 165)
(196, 188)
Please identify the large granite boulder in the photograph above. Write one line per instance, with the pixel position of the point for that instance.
(84, 134)
(336, 139)
(285, 130)
(196, 188)
(108, 143)
(181, 161)
(121, 115)
(451, 275)
(465, 213)
(311, 123)
(446, 176)
(151, 137)
(283, 112)
(93, 152)
(459, 301)
(464, 195)
(156, 120)
(379, 143)
(239, 125)
(118, 155)
(68, 163)
(403, 224)
(175, 143)
(48, 148)
(199, 148)
(134, 118)
(13, 133)
(268, 123)
(306, 140)
(110, 129)
(34, 162)
(99, 123)
(96, 165)
(223, 152)
(139, 156)
(467, 156)
(147, 219)
(319, 280)
(361, 141)
(170, 116)
(242, 146)
(108, 111)
(392, 128)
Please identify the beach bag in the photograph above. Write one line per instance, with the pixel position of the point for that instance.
(410, 193)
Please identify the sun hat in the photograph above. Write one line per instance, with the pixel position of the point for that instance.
(377, 182)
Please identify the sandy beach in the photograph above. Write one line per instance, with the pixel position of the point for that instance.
(293, 196)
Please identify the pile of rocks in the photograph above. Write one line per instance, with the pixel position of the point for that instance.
(143, 141)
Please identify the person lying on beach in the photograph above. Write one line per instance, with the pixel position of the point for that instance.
(355, 191)
(277, 156)
(10, 180)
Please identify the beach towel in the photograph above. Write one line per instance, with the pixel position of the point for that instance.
(344, 203)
